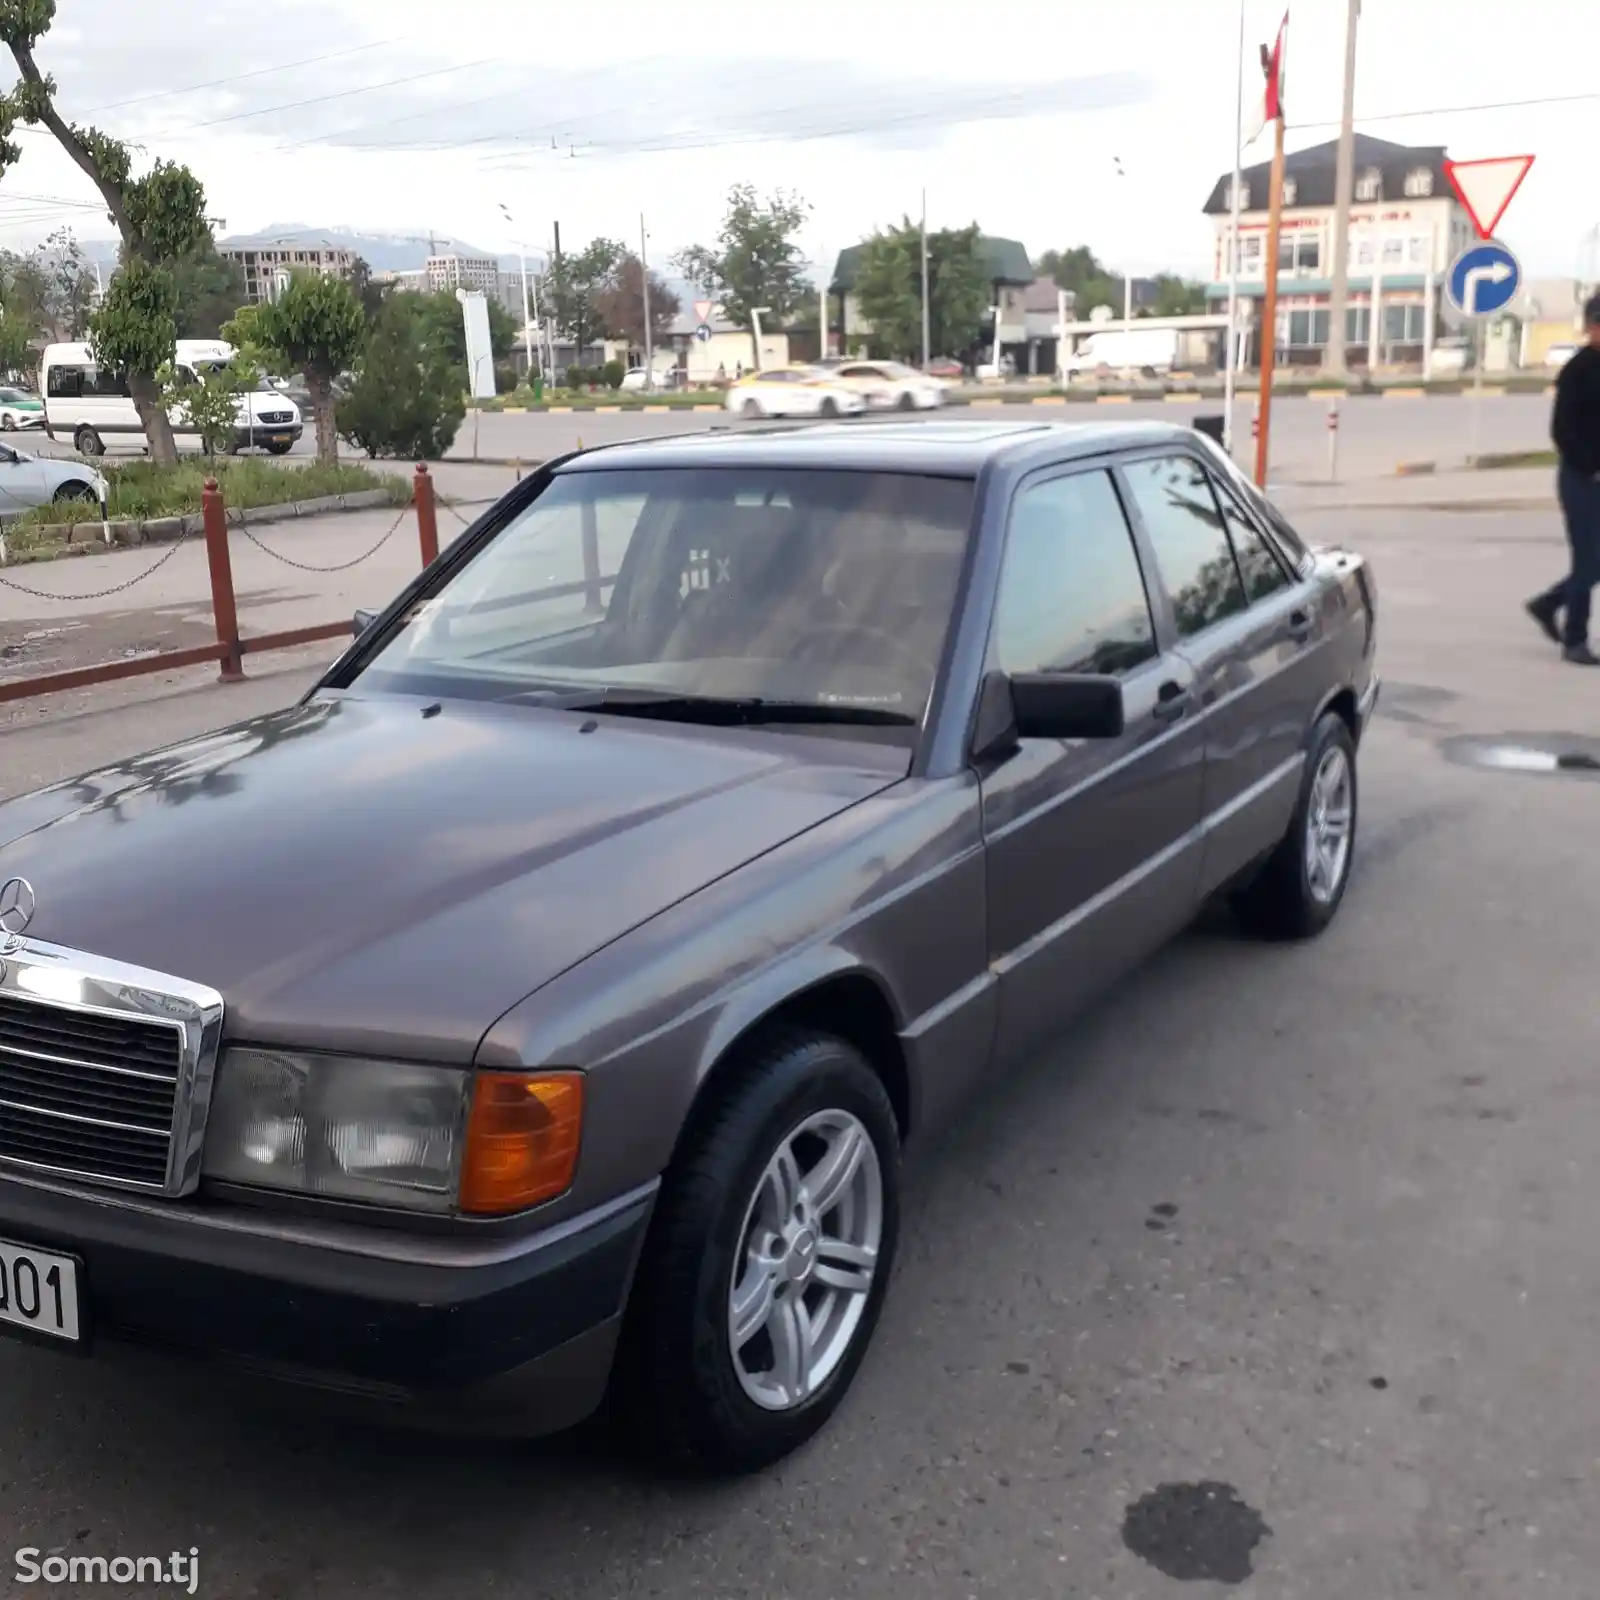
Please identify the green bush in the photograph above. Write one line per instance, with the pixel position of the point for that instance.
(576, 377)
(406, 399)
(612, 374)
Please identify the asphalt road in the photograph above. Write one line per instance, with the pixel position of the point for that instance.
(1374, 435)
(1312, 1223)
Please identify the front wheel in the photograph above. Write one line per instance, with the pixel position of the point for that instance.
(906, 402)
(751, 409)
(829, 406)
(1299, 890)
(88, 443)
(8, 422)
(768, 1258)
(73, 491)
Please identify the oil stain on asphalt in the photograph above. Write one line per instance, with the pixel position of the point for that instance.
(1195, 1531)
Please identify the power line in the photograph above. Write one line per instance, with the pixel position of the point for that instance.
(320, 99)
(239, 77)
(1457, 111)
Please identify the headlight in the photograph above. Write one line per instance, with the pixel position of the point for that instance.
(391, 1133)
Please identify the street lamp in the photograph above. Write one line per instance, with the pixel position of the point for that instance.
(527, 314)
(756, 314)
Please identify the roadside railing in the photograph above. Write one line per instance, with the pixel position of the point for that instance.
(231, 646)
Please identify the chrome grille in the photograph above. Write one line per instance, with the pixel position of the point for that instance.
(276, 416)
(87, 1091)
(105, 1069)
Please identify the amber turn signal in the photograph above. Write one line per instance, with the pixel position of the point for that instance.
(522, 1140)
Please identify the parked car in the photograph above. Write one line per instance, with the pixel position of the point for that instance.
(19, 409)
(891, 385)
(27, 481)
(798, 391)
(947, 368)
(713, 817)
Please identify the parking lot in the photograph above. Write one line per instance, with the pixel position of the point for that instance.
(1312, 1223)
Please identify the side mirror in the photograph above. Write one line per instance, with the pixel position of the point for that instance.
(1066, 705)
(364, 620)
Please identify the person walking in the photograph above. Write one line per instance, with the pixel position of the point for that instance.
(1562, 611)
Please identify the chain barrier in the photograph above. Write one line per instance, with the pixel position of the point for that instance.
(100, 594)
(338, 566)
(450, 507)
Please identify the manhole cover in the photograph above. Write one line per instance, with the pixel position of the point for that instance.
(1538, 754)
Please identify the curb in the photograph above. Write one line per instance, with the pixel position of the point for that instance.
(165, 530)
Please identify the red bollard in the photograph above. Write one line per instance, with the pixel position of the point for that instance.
(224, 606)
(427, 515)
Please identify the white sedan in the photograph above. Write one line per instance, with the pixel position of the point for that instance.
(28, 481)
(892, 386)
(793, 392)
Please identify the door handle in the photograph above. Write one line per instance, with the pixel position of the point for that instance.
(1299, 626)
(1172, 700)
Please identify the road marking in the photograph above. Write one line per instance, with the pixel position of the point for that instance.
(513, 411)
(1183, 397)
(607, 408)
(706, 408)
(1050, 400)
(1404, 394)
(1113, 399)
(559, 411)
(986, 402)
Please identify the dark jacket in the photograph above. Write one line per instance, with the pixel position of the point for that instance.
(1575, 422)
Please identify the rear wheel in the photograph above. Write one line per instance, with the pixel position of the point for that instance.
(829, 406)
(87, 442)
(1299, 890)
(751, 408)
(768, 1258)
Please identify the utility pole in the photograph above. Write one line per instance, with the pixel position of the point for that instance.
(1269, 306)
(555, 272)
(1344, 177)
(927, 353)
(1230, 343)
(644, 290)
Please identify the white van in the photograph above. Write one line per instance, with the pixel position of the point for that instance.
(88, 407)
(1153, 350)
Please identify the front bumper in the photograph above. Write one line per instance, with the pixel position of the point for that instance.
(261, 432)
(514, 1335)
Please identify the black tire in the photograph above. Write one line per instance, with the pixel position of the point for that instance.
(1280, 903)
(87, 442)
(8, 422)
(905, 402)
(73, 491)
(676, 1376)
(280, 449)
(751, 408)
(829, 406)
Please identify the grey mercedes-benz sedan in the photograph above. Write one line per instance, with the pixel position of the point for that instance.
(542, 1007)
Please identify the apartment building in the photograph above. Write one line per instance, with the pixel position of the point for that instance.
(267, 267)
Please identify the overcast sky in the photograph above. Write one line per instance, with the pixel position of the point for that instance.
(415, 114)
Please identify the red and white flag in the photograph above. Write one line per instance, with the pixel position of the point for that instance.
(1269, 108)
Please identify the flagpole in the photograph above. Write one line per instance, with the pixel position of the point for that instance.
(1269, 302)
(1230, 342)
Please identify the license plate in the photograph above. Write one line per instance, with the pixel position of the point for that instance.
(283, 438)
(39, 1291)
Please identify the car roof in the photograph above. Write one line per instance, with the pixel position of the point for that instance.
(952, 449)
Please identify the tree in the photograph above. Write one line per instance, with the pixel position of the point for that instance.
(621, 304)
(371, 295)
(755, 261)
(407, 399)
(442, 326)
(315, 326)
(211, 403)
(16, 342)
(1081, 271)
(69, 285)
(243, 331)
(572, 289)
(210, 289)
(160, 218)
(888, 289)
(1177, 297)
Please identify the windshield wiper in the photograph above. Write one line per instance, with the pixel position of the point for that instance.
(718, 711)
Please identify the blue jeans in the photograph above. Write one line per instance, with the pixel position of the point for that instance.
(1580, 505)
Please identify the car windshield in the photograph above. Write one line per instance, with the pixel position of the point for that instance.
(11, 396)
(818, 590)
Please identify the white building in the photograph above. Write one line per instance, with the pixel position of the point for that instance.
(1406, 226)
(267, 268)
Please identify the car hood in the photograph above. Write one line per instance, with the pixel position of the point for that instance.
(359, 874)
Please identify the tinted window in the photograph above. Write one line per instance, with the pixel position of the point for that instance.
(1072, 597)
(1191, 548)
(833, 587)
(65, 383)
(1262, 571)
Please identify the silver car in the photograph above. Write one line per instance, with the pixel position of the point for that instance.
(28, 481)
